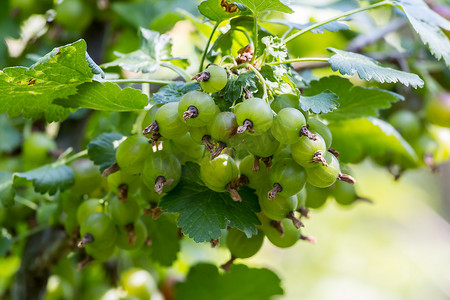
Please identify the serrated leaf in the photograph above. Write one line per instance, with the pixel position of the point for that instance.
(31, 91)
(319, 104)
(204, 213)
(279, 78)
(331, 27)
(428, 24)
(204, 282)
(155, 48)
(7, 192)
(165, 243)
(10, 137)
(213, 10)
(259, 6)
(102, 151)
(275, 47)
(105, 96)
(349, 63)
(49, 178)
(354, 101)
(235, 86)
(371, 136)
(174, 91)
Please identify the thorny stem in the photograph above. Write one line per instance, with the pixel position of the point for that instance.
(206, 139)
(160, 182)
(150, 128)
(88, 238)
(247, 126)
(346, 178)
(273, 192)
(293, 60)
(205, 51)
(319, 158)
(297, 223)
(219, 150)
(304, 131)
(346, 14)
(140, 80)
(278, 226)
(227, 266)
(192, 112)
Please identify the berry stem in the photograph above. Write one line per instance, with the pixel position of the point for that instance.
(247, 126)
(346, 178)
(192, 112)
(214, 242)
(129, 228)
(202, 76)
(297, 223)
(160, 182)
(273, 192)
(267, 161)
(319, 158)
(227, 266)
(110, 170)
(123, 192)
(150, 128)
(304, 131)
(88, 238)
(304, 212)
(278, 226)
(256, 166)
(233, 192)
(219, 150)
(310, 239)
(206, 139)
(334, 152)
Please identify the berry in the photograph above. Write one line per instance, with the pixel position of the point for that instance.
(223, 129)
(438, 110)
(286, 177)
(218, 174)
(241, 246)
(284, 101)
(162, 171)
(124, 213)
(138, 283)
(315, 197)
(264, 145)
(167, 123)
(287, 239)
(407, 123)
(257, 177)
(132, 237)
(323, 176)
(123, 184)
(254, 115)
(88, 207)
(87, 177)
(98, 231)
(287, 125)
(214, 80)
(132, 152)
(309, 153)
(321, 129)
(196, 109)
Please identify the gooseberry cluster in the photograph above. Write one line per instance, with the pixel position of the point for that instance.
(274, 148)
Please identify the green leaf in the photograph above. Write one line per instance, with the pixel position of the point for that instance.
(165, 243)
(259, 6)
(102, 151)
(107, 97)
(235, 86)
(49, 178)
(275, 47)
(10, 137)
(7, 192)
(371, 136)
(204, 282)
(322, 103)
(428, 25)
(31, 91)
(155, 48)
(279, 78)
(204, 213)
(348, 63)
(174, 91)
(354, 101)
(215, 12)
